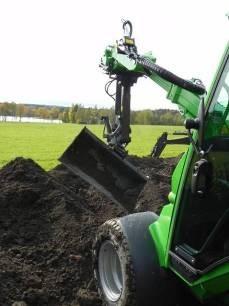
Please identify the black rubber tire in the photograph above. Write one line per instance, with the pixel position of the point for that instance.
(144, 281)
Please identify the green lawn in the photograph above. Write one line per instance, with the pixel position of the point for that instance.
(45, 142)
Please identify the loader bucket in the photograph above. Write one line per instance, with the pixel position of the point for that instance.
(100, 166)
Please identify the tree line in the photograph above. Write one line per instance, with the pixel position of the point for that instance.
(28, 110)
(77, 113)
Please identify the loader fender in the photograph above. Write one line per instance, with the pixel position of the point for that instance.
(126, 264)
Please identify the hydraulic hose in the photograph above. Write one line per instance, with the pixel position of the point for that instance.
(197, 88)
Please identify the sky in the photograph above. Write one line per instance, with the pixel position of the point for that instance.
(50, 50)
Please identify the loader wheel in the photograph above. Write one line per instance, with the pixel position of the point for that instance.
(126, 266)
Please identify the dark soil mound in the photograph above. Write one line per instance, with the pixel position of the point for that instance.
(157, 188)
(47, 224)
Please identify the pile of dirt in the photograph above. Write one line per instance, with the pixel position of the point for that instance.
(47, 225)
(157, 188)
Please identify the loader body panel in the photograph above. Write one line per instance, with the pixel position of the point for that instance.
(212, 283)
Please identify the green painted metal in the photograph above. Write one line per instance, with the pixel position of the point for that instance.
(115, 62)
(210, 285)
(215, 282)
(176, 178)
(160, 232)
(161, 228)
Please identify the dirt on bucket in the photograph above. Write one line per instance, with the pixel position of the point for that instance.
(48, 221)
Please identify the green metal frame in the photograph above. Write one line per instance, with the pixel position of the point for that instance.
(215, 282)
(115, 62)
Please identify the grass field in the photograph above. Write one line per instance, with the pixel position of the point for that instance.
(46, 142)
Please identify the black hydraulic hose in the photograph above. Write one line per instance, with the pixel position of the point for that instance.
(197, 88)
(118, 98)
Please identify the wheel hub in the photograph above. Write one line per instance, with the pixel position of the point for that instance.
(110, 271)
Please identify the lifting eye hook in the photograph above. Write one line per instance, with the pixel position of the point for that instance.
(127, 27)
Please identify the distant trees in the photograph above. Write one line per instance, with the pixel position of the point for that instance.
(157, 117)
(25, 110)
(20, 110)
(77, 113)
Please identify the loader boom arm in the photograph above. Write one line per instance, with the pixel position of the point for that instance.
(116, 62)
(104, 166)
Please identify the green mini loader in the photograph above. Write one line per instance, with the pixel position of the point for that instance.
(144, 259)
